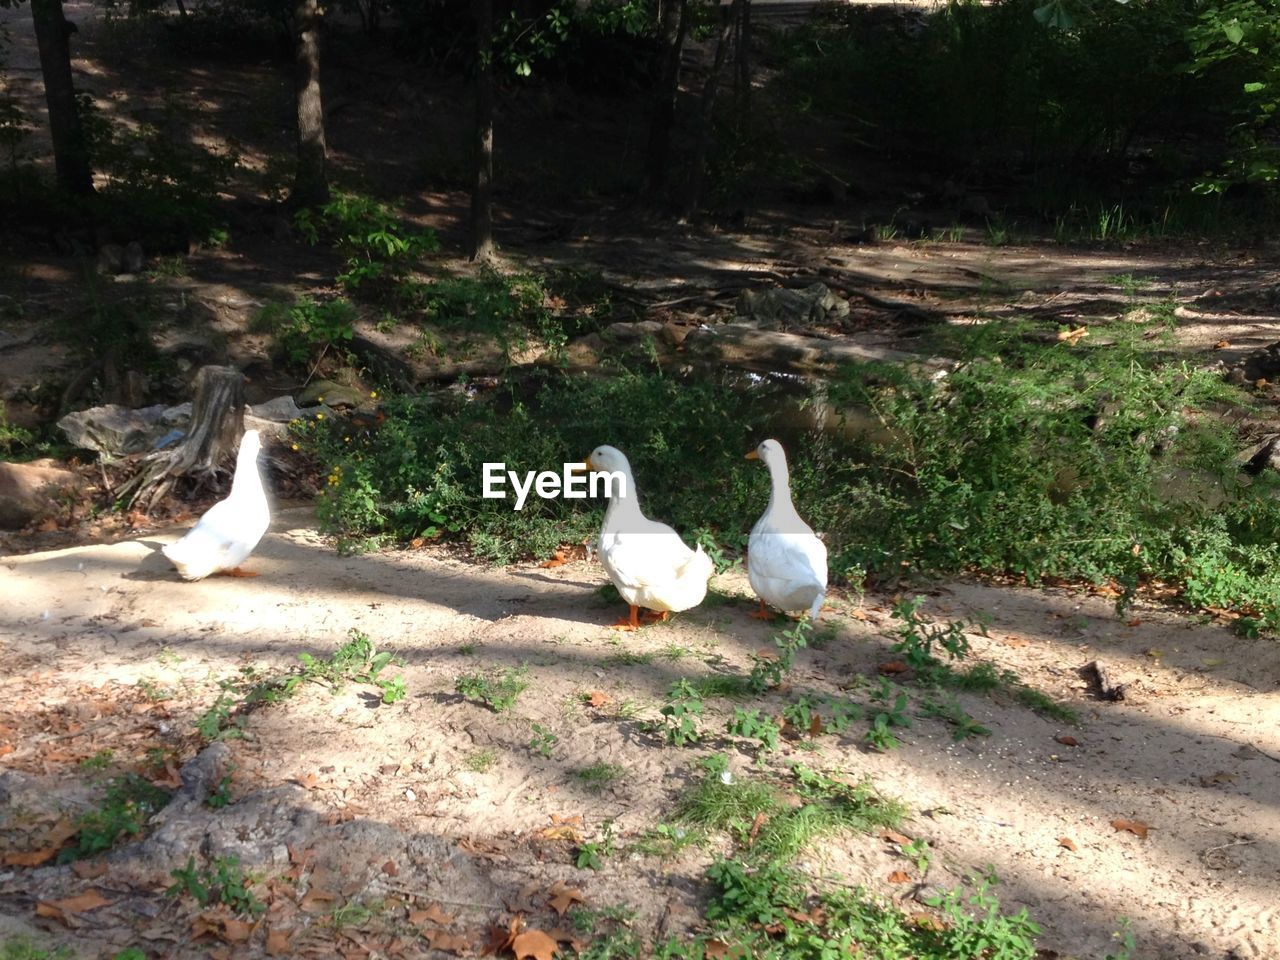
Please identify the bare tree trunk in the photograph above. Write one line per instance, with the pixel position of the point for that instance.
(673, 25)
(70, 152)
(698, 170)
(482, 193)
(744, 66)
(217, 420)
(311, 181)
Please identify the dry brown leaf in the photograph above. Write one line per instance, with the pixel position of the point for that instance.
(236, 931)
(278, 942)
(1222, 345)
(899, 876)
(390, 869)
(444, 940)
(88, 869)
(310, 781)
(1067, 740)
(317, 901)
(815, 726)
(81, 903)
(535, 944)
(927, 921)
(432, 914)
(1015, 642)
(29, 858)
(1136, 827)
(6, 749)
(1068, 843)
(893, 667)
(1072, 337)
(598, 699)
(719, 950)
(756, 824)
(564, 896)
(893, 836)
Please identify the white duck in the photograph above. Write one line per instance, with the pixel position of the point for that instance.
(226, 535)
(646, 560)
(786, 562)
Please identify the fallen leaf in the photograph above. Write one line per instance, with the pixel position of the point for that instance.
(1072, 337)
(598, 699)
(899, 876)
(310, 781)
(278, 942)
(893, 667)
(759, 821)
(444, 940)
(1136, 827)
(535, 944)
(6, 749)
(1067, 740)
(432, 914)
(556, 561)
(1015, 642)
(815, 727)
(927, 921)
(81, 903)
(1135, 622)
(390, 869)
(236, 931)
(1222, 344)
(893, 836)
(317, 900)
(29, 858)
(88, 869)
(563, 897)
(1067, 842)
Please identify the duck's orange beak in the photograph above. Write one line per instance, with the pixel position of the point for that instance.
(753, 455)
(585, 465)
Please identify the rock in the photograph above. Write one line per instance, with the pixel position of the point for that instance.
(1260, 364)
(280, 410)
(133, 258)
(29, 491)
(675, 333)
(114, 430)
(630, 332)
(778, 309)
(331, 394)
(111, 259)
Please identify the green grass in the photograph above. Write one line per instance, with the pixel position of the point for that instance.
(498, 691)
(600, 775)
(1113, 466)
(481, 761)
(126, 808)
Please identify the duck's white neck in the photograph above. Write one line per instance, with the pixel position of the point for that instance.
(624, 504)
(780, 481)
(247, 481)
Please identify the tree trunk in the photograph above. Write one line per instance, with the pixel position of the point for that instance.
(217, 420)
(70, 152)
(310, 182)
(744, 66)
(482, 192)
(672, 27)
(698, 169)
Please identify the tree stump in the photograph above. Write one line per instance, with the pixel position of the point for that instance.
(217, 421)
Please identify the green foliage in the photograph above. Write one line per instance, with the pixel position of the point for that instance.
(543, 740)
(750, 724)
(21, 948)
(919, 637)
(599, 775)
(357, 660)
(380, 251)
(222, 881)
(497, 691)
(1099, 463)
(128, 805)
(161, 184)
(679, 723)
(951, 711)
(12, 437)
(307, 329)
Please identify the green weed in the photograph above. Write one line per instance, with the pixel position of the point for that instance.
(222, 881)
(498, 692)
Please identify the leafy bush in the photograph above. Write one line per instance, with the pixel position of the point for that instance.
(1042, 460)
(379, 249)
(308, 327)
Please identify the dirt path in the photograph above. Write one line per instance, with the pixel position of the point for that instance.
(1192, 752)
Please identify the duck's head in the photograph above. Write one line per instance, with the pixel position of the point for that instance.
(608, 459)
(770, 451)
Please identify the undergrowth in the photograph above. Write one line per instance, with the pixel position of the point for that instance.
(1100, 462)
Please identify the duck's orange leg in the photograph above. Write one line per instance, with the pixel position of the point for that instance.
(762, 614)
(629, 623)
(656, 616)
(237, 572)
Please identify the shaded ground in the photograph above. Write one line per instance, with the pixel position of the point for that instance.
(394, 807)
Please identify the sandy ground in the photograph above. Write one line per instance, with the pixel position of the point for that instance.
(1192, 752)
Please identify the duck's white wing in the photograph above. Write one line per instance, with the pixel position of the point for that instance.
(787, 556)
(217, 541)
(652, 553)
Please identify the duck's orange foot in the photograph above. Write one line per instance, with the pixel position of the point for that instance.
(657, 616)
(628, 623)
(761, 614)
(238, 572)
